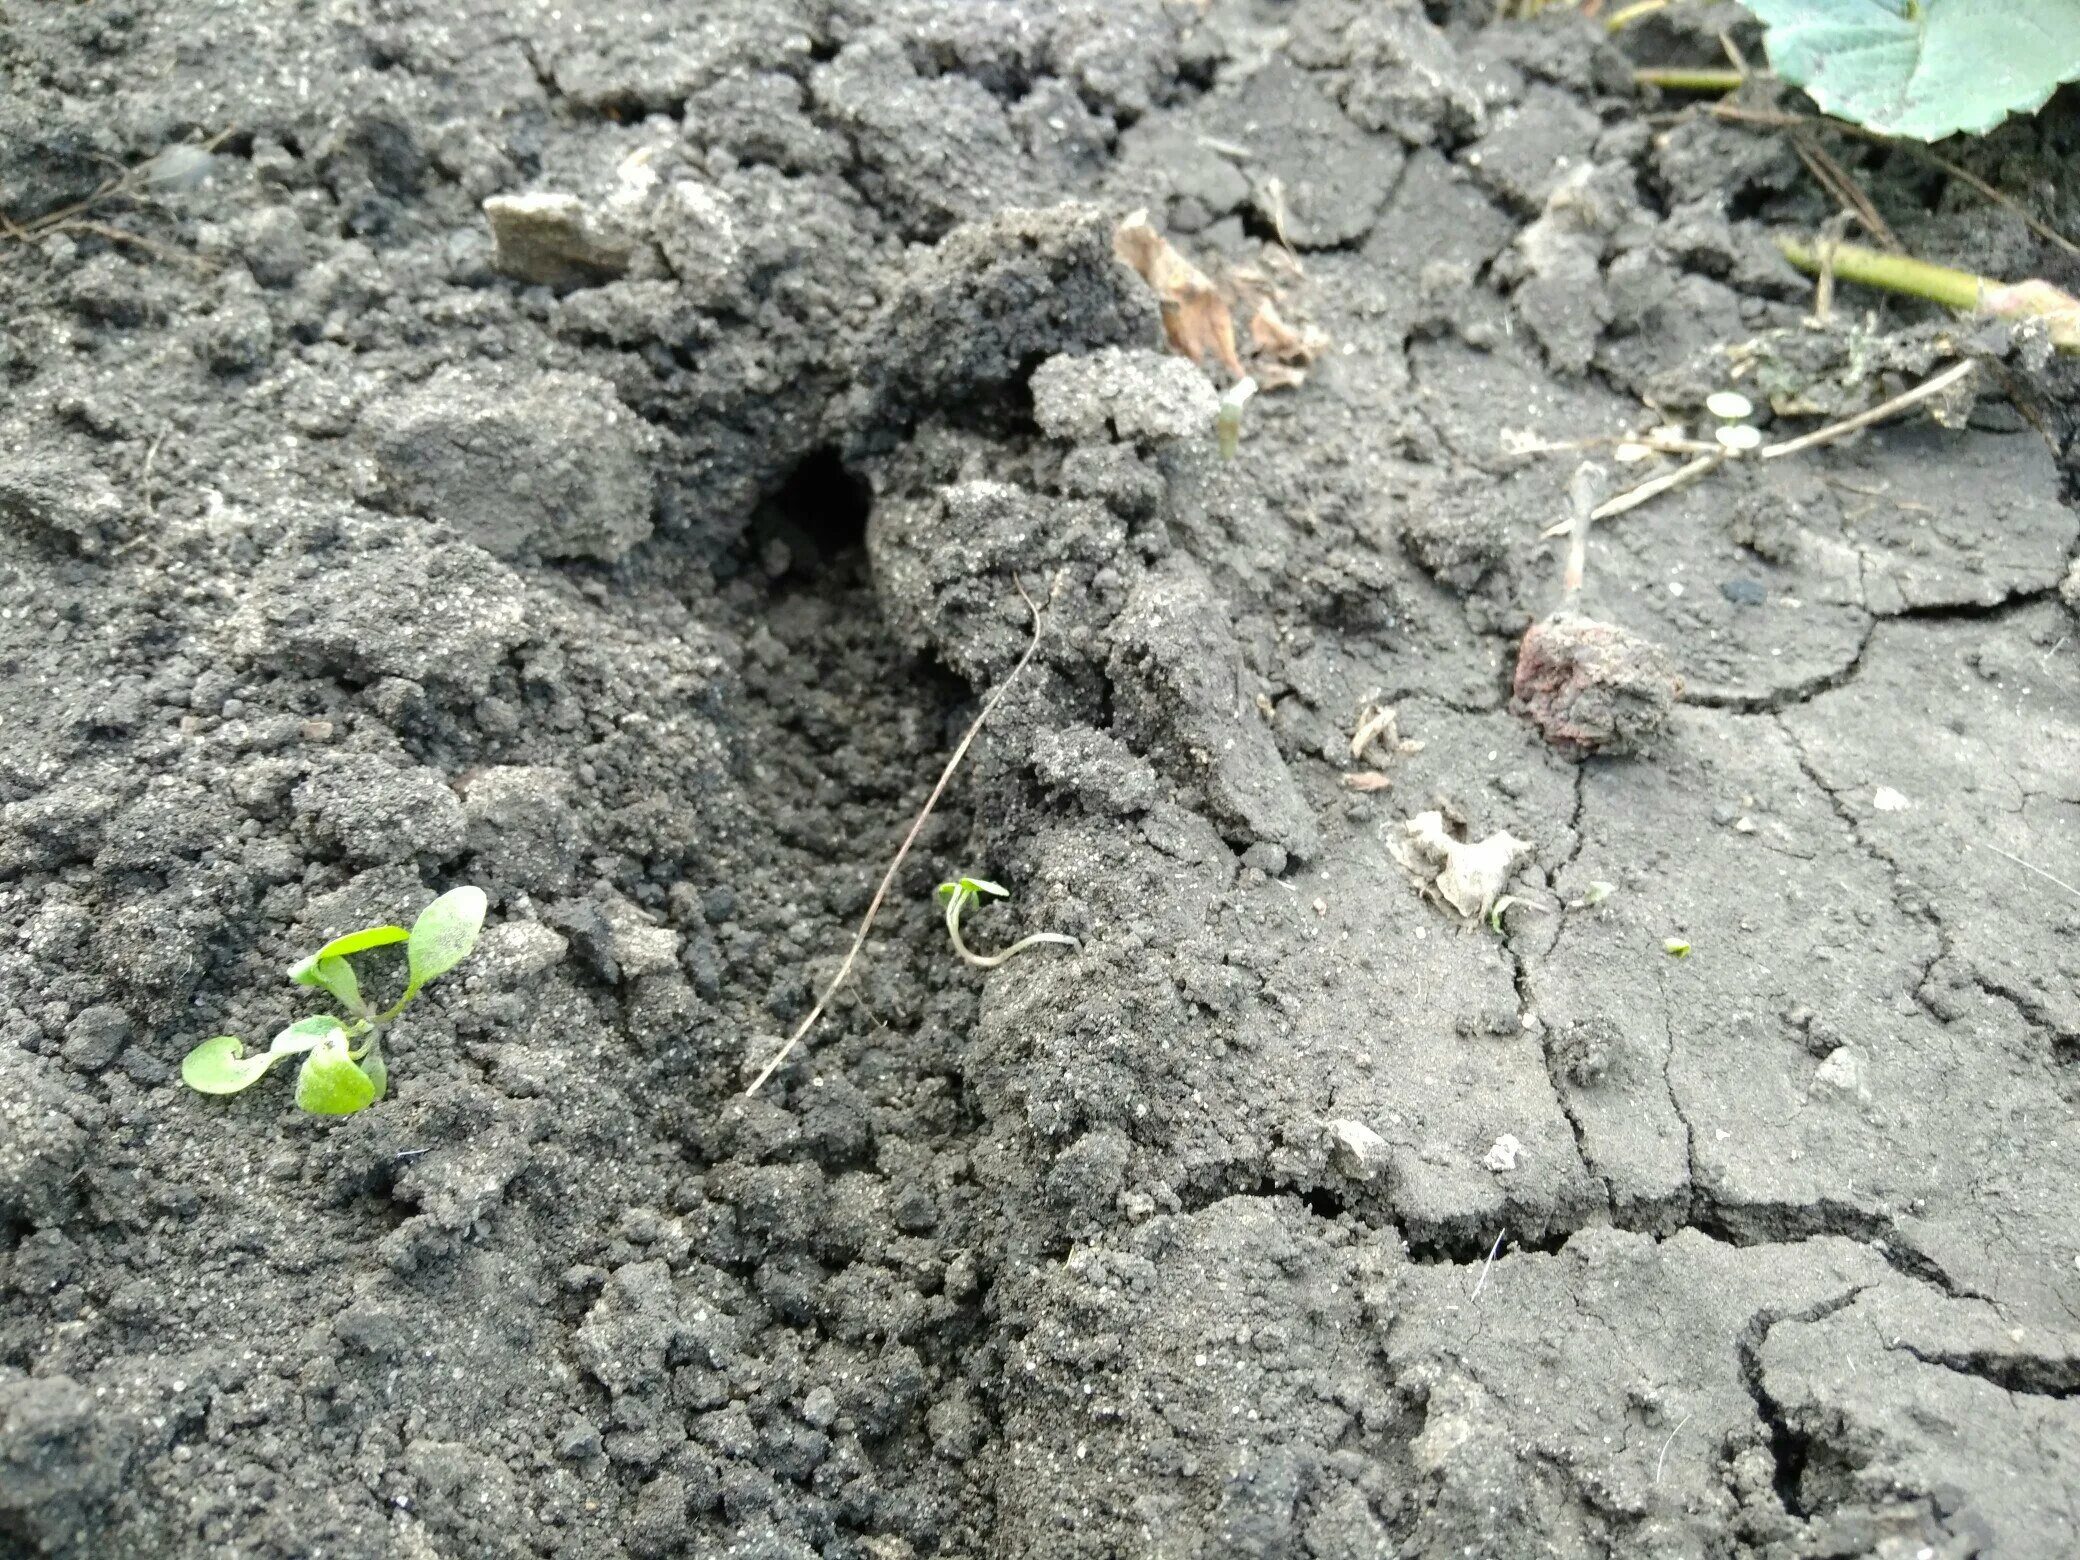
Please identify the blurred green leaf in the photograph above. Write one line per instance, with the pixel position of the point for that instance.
(1924, 68)
(377, 1072)
(307, 1034)
(221, 1066)
(444, 934)
(329, 1083)
(333, 973)
(354, 942)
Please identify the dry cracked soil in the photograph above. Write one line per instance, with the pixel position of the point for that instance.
(643, 563)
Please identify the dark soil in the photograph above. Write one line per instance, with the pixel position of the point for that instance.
(1292, 1214)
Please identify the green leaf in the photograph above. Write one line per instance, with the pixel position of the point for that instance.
(1924, 68)
(335, 974)
(444, 934)
(970, 891)
(331, 1085)
(221, 1066)
(307, 1034)
(344, 947)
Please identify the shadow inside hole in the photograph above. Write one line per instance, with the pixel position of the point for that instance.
(815, 520)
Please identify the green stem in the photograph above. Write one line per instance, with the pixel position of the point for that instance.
(1894, 273)
(1679, 78)
(373, 1028)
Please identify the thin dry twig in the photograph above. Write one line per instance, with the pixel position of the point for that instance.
(74, 218)
(1688, 472)
(2028, 866)
(1848, 194)
(2009, 203)
(1665, 1445)
(1692, 470)
(1488, 1266)
(902, 854)
(1926, 390)
(1778, 119)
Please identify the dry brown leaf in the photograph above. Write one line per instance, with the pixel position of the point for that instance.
(1270, 332)
(1195, 316)
(1367, 780)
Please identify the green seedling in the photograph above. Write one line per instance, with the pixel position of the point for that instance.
(1227, 422)
(956, 897)
(1675, 947)
(343, 1069)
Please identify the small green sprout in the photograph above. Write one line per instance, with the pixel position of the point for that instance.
(1675, 947)
(1227, 422)
(339, 1076)
(1597, 892)
(956, 897)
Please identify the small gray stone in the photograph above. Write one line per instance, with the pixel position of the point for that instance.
(1360, 1152)
(555, 240)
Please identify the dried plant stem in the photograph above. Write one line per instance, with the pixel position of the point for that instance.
(1926, 390)
(902, 854)
(1692, 470)
(1776, 119)
(2030, 866)
(1689, 471)
(1678, 78)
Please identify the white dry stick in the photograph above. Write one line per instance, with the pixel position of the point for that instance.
(1689, 471)
(1488, 1266)
(2028, 866)
(1374, 721)
(1585, 490)
(1665, 1445)
(888, 878)
(1926, 390)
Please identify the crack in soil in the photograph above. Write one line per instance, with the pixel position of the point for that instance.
(1790, 1447)
(2026, 1375)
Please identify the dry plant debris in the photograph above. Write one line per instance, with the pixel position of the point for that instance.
(1199, 313)
(1468, 875)
(1195, 315)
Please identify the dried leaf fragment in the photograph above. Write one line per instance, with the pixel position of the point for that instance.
(1195, 315)
(1271, 334)
(1470, 874)
(1375, 721)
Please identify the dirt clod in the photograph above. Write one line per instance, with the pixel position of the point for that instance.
(1593, 687)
